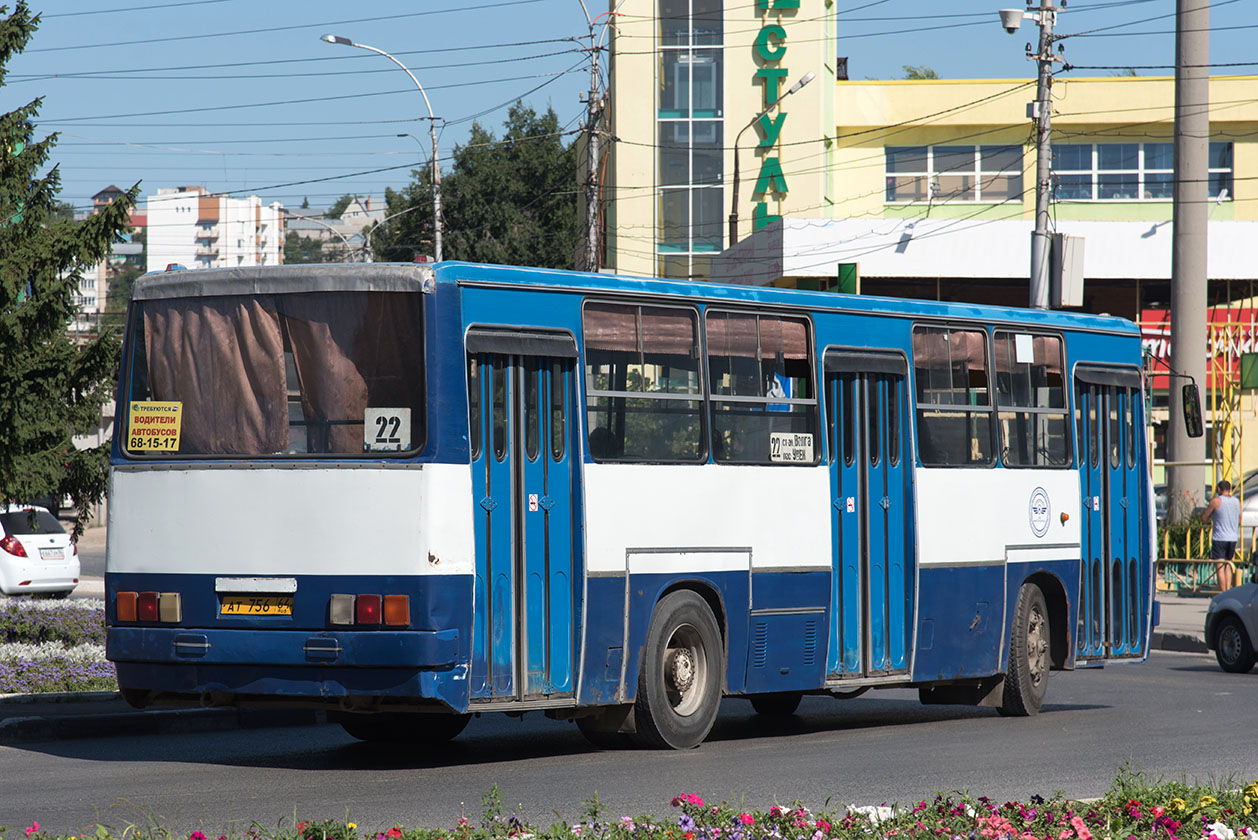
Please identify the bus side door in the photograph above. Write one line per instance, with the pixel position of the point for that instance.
(1113, 596)
(866, 413)
(523, 643)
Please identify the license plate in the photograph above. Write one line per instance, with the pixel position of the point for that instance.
(52, 554)
(257, 605)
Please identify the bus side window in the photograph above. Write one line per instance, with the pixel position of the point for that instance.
(475, 422)
(954, 406)
(558, 412)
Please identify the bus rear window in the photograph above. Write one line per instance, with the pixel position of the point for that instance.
(282, 375)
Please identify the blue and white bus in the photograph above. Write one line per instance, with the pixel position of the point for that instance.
(408, 493)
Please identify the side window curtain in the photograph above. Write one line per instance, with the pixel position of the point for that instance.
(954, 406)
(763, 397)
(1031, 400)
(644, 397)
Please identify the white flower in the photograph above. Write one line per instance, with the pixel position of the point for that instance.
(1221, 831)
(877, 813)
(86, 654)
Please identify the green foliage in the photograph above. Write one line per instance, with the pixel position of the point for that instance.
(1135, 807)
(1188, 541)
(335, 211)
(300, 249)
(511, 201)
(50, 386)
(919, 72)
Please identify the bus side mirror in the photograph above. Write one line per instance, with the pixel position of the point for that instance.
(1192, 410)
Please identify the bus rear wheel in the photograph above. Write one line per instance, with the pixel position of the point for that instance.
(384, 727)
(682, 672)
(1026, 681)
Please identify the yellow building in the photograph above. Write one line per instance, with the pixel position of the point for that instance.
(921, 188)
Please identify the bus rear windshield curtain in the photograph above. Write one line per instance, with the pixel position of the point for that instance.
(1099, 375)
(521, 343)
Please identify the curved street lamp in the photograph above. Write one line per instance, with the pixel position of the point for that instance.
(733, 209)
(349, 249)
(432, 132)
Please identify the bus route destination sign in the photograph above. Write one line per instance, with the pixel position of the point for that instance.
(154, 426)
(789, 447)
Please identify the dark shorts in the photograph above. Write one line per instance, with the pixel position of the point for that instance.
(1223, 551)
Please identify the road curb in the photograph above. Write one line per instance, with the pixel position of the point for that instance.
(36, 728)
(1181, 642)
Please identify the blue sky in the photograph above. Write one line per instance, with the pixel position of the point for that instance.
(241, 95)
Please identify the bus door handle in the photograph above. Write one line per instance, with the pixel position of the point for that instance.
(322, 648)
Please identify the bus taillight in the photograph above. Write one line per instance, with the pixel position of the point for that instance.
(367, 609)
(166, 607)
(393, 610)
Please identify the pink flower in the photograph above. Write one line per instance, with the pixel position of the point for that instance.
(32, 828)
(746, 819)
(695, 799)
(1080, 828)
(196, 835)
(393, 832)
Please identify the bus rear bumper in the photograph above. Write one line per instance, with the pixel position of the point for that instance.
(425, 649)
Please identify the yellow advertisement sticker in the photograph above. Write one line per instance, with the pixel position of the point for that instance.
(154, 426)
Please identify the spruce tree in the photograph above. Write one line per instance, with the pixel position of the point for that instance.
(52, 385)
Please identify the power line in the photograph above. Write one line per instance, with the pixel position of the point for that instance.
(271, 30)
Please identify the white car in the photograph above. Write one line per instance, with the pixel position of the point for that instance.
(1232, 627)
(36, 554)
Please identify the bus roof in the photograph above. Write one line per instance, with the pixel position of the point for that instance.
(281, 279)
(473, 273)
(404, 277)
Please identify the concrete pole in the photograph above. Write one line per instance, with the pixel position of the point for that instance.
(1040, 241)
(1188, 247)
(593, 115)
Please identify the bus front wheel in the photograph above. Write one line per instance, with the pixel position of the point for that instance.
(679, 683)
(1026, 680)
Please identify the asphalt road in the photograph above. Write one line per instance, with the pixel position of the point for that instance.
(1175, 715)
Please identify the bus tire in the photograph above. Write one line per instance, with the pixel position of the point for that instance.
(403, 728)
(681, 676)
(1232, 648)
(1026, 681)
(779, 704)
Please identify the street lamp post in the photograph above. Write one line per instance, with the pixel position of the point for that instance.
(432, 132)
(1046, 17)
(733, 210)
(349, 249)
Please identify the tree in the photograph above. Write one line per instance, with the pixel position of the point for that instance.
(335, 211)
(51, 387)
(300, 249)
(919, 72)
(511, 201)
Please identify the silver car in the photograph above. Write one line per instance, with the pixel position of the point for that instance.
(1232, 627)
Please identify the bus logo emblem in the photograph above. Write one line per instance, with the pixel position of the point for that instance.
(1038, 511)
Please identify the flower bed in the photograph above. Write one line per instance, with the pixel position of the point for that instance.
(1133, 809)
(48, 646)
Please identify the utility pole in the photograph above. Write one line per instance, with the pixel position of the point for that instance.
(1042, 111)
(594, 113)
(1186, 478)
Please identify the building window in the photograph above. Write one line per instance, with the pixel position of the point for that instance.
(690, 136)
(1129, 171)
(954, 173)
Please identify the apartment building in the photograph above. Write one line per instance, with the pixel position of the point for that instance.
(195, 228)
